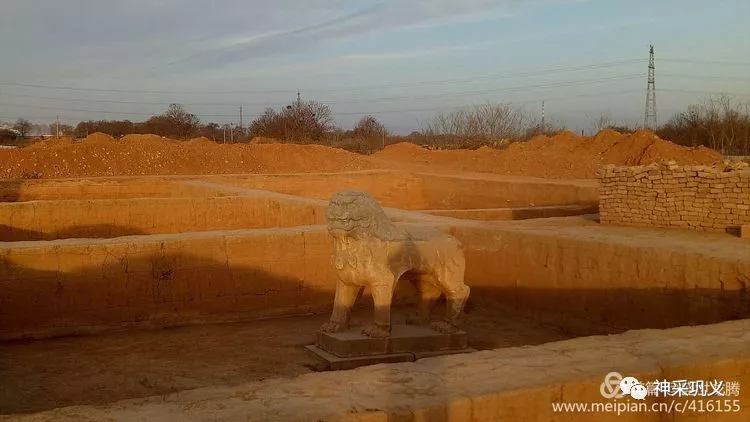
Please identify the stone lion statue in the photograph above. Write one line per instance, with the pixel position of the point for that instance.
(371, 251)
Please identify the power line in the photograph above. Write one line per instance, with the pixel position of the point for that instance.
(537, 100)
(716, 62)
(690, 91)
(104, 111)
(363, 100)
(84, 100)
(722, 78)
(495, 90)
(444, 108)
(408, 110)
(357, 113)
(388, 111)
(397, 85)
(234, 104)
(495, 76)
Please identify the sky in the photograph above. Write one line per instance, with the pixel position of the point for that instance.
(402, 61)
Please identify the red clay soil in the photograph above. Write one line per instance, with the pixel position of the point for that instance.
(99, 138)
(564, 155)
(101, 155)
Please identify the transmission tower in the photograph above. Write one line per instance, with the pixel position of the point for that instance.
(650, 117)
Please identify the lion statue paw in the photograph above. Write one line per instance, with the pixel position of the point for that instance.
(444, 327)
(332, 327)
(376, 331)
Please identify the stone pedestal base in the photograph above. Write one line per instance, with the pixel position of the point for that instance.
(407, 343)
(745, 231)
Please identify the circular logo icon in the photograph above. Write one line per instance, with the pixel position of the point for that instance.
(627, 384)
(610, 388)
(639, 392)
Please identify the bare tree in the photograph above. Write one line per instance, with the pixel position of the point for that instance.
(185, 124)
(721, 123)
(488, 121)
(298, 122)
(602, 122)
(369, 127)
(23, 127)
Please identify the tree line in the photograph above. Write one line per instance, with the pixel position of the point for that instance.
(720, 123)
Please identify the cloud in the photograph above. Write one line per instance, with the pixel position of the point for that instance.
(274, 42)
(332, 64)
(153, 37)
(145, 40)
(369, 18)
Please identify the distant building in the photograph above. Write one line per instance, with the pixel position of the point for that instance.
(9, 128)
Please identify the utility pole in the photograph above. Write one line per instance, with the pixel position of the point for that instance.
(57, 127)
(649, 120)
(241, 126)
(542, 115)
(231, 134)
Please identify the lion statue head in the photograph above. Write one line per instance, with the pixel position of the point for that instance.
(356, 214)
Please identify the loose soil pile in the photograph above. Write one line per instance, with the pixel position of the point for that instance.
(102, 155)
(564, 155)
(99, 138)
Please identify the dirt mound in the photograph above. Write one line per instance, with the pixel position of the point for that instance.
(98, 138)
(51, 143)
(153, 155)
(607, 135)
(143, 139)
(402, 148)
(202, 140)
(564, 155)
(405, 151)
(263, 140)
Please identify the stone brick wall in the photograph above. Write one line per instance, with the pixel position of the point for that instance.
(711, 198)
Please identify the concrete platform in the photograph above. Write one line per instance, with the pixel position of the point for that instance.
(350, 349)
(335, 363)
(403, 339)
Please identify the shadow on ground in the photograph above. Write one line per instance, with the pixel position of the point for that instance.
(10, 190)
(97, 231)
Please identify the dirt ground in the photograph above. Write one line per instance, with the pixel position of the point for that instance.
(39, 375)
(563, 156)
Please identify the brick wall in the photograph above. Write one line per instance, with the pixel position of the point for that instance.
(711, 198)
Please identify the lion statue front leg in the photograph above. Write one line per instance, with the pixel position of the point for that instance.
(343, 302)
(346, 295)
(382, 296)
